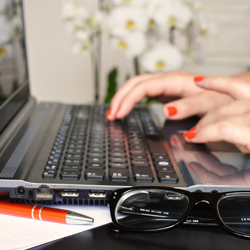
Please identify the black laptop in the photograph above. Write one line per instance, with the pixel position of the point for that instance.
(70, 154)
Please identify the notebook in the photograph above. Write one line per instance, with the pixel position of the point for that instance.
(60, 153)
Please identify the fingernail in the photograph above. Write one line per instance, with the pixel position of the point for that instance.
(198, 78)
(172, 111)
(191, 167)
(193, 128)
(189, 134)
(117, 112)
(108, 113)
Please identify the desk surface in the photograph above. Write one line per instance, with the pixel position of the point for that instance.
(184, 237)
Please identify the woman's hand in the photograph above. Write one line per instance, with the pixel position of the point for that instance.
(166, 87)
(229, 122)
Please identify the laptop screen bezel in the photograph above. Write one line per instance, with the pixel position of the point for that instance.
(17, 99)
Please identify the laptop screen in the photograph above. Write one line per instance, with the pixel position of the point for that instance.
(14, 89)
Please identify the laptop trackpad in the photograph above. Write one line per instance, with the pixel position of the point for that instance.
(218, 163)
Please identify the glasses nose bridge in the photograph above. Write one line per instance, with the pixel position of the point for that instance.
(203, 197)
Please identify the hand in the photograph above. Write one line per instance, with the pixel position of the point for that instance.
(166, 87)
(231, 121)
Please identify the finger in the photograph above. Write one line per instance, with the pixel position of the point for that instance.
(128, 86)
(195, 105)
(175, 84)
(236, 88)
(222, 131)
(230, 111)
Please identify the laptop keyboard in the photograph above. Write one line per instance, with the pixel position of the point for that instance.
(90, 147)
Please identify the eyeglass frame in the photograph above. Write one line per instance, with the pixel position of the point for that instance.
(212, 198)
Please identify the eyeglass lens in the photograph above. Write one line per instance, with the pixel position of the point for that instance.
(150, 208)
(235, 212)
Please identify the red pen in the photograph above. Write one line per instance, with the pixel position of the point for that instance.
(43, 213)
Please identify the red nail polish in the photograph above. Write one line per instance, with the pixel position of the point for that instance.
(190, 166)
(172, 111)
(198, 78)
(193, 128)
(189, 134)
(108, 113)
(118, 110)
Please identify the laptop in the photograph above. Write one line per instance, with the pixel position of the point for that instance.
(57, 153)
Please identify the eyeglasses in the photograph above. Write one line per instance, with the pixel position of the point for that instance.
(154, 209)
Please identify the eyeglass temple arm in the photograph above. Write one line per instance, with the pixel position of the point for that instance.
(193, 220)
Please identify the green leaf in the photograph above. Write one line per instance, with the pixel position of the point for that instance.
(112, 85)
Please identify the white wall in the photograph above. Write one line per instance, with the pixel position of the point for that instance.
(58, 75)
(55, 73)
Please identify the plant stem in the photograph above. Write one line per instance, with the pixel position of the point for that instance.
(136, 66)
(171, 35)
(95, 70)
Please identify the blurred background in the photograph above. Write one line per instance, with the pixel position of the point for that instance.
(57, 74)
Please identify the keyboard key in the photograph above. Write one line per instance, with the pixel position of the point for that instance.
(72, 168)
(117, 154)
(143, 174)
(96, 155)
(94, 174)
(160, 157)
(139, 157)
(140, 163)
(52, 167)
(95, 165)
(167, 177)
(119, 174)
(118, 165)
(73, 157)
(163, 163)
(165, 169)
(96, 150)
(70, 175)
(74, 151)
(72, 162)
(50, 174)
(138, 152)
(118, 159)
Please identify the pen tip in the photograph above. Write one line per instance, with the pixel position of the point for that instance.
(77, 218)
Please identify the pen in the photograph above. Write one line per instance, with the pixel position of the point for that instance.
(43, 213)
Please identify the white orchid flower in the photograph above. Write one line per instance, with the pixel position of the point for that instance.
(162, 57)
(96, 20)
(75, 25)
(123, 20)
(5, 51)
(198, 5)
(205, 27)
(131, 2)
(71, 9)
(173, 13)
(132, 45)
(83, 35)
(80, 47)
